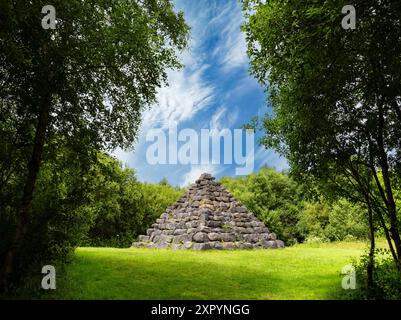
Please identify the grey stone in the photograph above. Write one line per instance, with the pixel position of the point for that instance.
(208, 216)
(192, 230)
(258, 229)
(238, 237)
(245, 245)
(227, 237)
(215, 245)
(181, 238)
(240, 229)
(228, 245)
(214, 224)
(161, 245)
(137, 244)
(201, 246)
(179, 231)
(213, 236)
(143, 238)
(180, 225)
(205, 229)
(187, 245)
(252, 237)
(165, 238)
(191, 224)
(269, 244)
(200, 237)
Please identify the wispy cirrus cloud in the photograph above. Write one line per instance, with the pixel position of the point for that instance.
(212, 91)
(231, 49)
(186, 95)
(224, 117)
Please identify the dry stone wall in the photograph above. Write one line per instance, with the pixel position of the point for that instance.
(208, 217)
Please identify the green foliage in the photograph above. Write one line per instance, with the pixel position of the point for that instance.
(78, 88)
(123, 208)
(289, 211)
(386, 279)
(313, 220)
(59, 216)
(335, 96)
(272, 197)
(97, 70)
(155, 199)
(115, 203)
(337, 221)
(323, 95)
(347, 221)
(100, 203)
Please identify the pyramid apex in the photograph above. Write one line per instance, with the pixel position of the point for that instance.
(206, 176)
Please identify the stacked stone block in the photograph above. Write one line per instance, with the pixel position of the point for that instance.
(208, 217)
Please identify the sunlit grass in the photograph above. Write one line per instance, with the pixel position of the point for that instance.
(310, 271)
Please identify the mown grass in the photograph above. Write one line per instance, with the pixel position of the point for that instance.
(307, 271)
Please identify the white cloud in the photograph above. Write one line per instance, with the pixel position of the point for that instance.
(188, 92)
(231, 52)
(186, 95)
(195, 172)
(236, 56)
(224, 118)
(215, 121)
(197, 95)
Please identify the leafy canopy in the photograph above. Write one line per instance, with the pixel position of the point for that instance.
(99, 68)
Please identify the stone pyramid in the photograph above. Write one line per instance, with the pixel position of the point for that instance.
(208, 217)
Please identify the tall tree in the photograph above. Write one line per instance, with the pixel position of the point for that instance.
(87, 80)
(336, 95)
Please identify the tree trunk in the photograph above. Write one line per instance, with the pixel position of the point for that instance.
(370, 266)
(390, 203)
(22, 214)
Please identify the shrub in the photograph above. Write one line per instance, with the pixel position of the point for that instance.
(315, 239)
(313, 219)
(273, 198)
(123, 207)
(338, 221)
(346, 221)
(287, 209)
(58, 217)
(386, 278)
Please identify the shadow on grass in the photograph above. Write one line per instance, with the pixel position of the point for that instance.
(195, 276)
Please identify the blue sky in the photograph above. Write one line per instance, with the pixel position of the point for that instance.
(213, 91)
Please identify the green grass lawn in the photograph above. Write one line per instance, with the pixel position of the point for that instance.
(299, 272)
